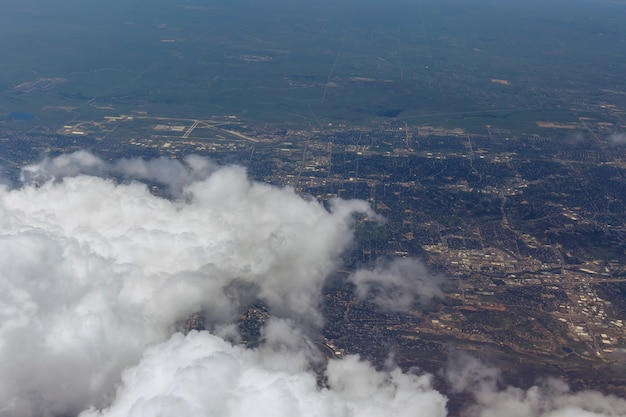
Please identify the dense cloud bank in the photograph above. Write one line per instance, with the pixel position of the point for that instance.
(93, 270)
(96, 273)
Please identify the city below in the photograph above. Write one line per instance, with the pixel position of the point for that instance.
(527, 231)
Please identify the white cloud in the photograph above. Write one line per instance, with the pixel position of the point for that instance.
(550, 398)
(174, 175)
(93, 271)
(286, 346)
(201, 375)
(395, 285)
(66, 165)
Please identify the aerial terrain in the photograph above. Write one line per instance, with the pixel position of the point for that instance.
(429, 196)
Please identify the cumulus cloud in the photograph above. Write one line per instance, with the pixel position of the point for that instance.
(549, 398)
(226, 227)
(201, 375)
(617, 138)
(93, 270)
(396, 284)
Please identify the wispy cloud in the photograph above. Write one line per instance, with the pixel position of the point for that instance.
(396, 284)
(617, 138)
(93, 270)
(549, 398)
